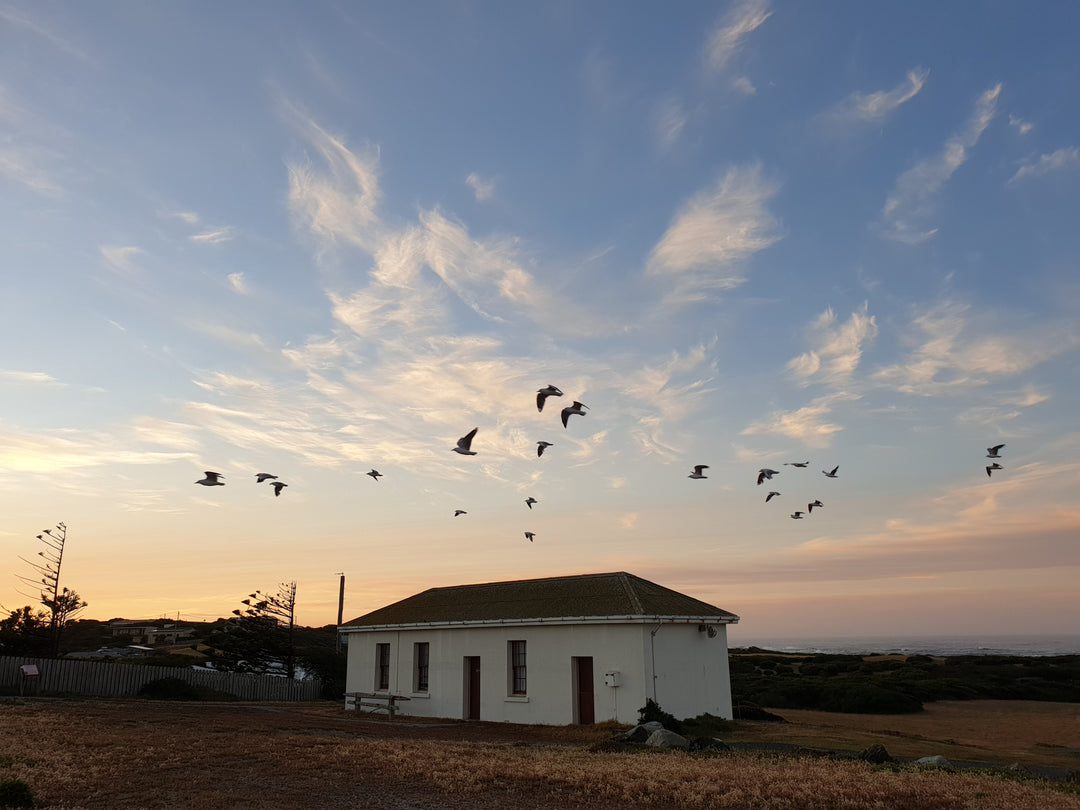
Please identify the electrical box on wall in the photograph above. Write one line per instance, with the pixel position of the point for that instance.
(612, 679)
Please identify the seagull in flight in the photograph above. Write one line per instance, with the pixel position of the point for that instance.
(771, 495)
(465, 442)
(211, 479)
(992, 467)
(278, 486)
(543, 393)
(529, 536)
(260, 477)
(570, 410)
(530, 501)
(796, 463)
(832, 472)
(697, 471)
(541, 447)
(992, 452)
(374, 474)
(796, 515)
(810, 506)
(460, 512)
(765, 473)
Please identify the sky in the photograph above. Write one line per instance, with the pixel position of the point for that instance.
(318, 238)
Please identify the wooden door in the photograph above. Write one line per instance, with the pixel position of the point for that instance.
(584, 709)
(472, 687)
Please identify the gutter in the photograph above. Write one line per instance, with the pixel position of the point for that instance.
(557, 620)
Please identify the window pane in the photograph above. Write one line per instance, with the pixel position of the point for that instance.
(421, 658)
(517, 667)
(382, 666)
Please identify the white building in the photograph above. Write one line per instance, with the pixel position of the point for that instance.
(577, 649)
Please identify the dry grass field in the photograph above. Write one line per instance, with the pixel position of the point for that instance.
(995, 731)
(136, 754)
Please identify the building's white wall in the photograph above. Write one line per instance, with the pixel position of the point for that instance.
(691, 669)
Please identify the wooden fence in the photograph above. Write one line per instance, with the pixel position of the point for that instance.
(103, 679)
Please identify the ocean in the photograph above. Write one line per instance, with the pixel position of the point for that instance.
(919, 645)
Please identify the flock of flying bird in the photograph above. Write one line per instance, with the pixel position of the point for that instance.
(766, 474)
(992, 452)
(464, 447)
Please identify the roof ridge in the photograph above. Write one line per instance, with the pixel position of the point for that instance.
(631, 594)
(531, 579)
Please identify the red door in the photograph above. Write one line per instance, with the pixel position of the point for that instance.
(583, 685)
(472, 687)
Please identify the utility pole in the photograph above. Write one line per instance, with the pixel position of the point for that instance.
(340, 606)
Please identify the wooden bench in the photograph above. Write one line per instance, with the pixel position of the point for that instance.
(356, 700)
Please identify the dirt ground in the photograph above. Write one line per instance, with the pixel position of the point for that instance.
(133, 754)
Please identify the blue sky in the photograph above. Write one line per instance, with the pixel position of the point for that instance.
(314, 239)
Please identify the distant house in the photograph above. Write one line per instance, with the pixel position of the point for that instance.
(150, 633)
(575, 649)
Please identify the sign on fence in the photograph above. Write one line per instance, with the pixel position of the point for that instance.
(103, 679)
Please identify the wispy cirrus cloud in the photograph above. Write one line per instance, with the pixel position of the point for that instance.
(669, 121)
(28, 152)
(227, 335)
(948, 358)
(912, 203)
(990, 526)
(1007, 407)
(673, 387)
(743, 18)
(238, 283)
(837, 347)
(56, 451)
(715, 232)
(214, 236)
(24, 166)
(46, 33)
(742, 84)
(190, 217)
(121, 257)
(29, 378)
(336, 201)
(877, 106)
(1020, 125)
(483, 188)
(1065, 159)
(806, 424)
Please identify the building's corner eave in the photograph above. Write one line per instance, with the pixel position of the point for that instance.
(550, 620)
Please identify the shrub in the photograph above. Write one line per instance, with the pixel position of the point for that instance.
(177, 689)
(707, 725)
(651, 711)
(15, 793)
(863, 698)
(755, 713)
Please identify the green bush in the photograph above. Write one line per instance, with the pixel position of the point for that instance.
(15, 793)
(707, 725)
(864, 698)
(651, 711)
(177, 689)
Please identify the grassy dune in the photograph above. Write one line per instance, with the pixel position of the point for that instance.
(109, 754)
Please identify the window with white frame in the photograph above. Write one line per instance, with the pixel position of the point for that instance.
(516, 655)
(421, 650)
(382, 666)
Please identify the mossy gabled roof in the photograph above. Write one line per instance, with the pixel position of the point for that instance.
(589, 595)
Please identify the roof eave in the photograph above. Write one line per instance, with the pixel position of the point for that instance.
(550, 620)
